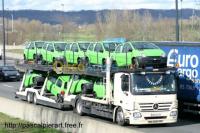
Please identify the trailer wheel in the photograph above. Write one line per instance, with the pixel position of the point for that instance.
(34, 99)
(29, 97)
(79, 107)
(120, 117)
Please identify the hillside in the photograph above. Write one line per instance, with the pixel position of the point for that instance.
(89, 16)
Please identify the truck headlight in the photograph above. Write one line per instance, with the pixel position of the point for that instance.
(5, 74)
(18, 74)
(173, 113)
(137, 115)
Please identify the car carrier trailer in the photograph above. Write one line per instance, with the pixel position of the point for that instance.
(132, 96)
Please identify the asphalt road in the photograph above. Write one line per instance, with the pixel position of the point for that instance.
(189, 124)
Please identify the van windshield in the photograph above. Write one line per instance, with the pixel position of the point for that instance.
(144, 45)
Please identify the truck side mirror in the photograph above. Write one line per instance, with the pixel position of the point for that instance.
(125, 82)
(130, 50)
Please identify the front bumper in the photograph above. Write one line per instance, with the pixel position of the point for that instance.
(151, 118)
(153, 61)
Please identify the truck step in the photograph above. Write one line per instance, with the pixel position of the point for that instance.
(48, 94)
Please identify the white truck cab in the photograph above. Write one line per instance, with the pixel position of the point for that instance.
(145, 98)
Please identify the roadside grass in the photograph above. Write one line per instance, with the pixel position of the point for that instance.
(7, 119)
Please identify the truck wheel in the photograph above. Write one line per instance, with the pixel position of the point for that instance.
(120, 117)
(29, 97)
(79, 107)
(34, 99)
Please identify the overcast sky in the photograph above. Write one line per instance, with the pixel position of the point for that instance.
(69, 5)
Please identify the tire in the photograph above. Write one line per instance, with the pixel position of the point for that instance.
(25, 60)
(43, 62)
(135, 63)
(29, 97)
(78, 61)
(114, 64)
(87, 62)
(35, 59)
(103, 62)
(34, 99)
(120, 117)
(79, 107)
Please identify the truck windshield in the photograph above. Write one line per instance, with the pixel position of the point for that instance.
(151, 84)
(39, 44)
(83, 46)
(144, 45)
(109, 46)
(60, 46)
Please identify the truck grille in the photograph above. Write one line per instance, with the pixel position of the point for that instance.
(155, 107)
(158, 117)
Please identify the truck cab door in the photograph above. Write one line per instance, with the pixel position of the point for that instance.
(122, 91)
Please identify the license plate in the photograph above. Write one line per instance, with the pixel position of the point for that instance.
(154, 115)
(12, 77)
(155, 121)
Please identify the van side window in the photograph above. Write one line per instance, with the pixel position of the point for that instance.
(91, 47)
(74, 47)
(67, 47)
(127, 48)
(98, 47)
(59, 83)
(52, 79)
(27, 45)
(31, 46)
(50, 47)
(118, 49)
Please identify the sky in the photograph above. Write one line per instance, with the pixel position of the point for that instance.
(76, 5)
